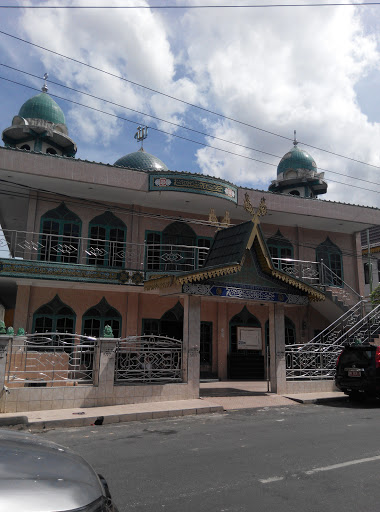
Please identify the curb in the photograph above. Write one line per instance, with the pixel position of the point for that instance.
(111, 418)
(317, 400)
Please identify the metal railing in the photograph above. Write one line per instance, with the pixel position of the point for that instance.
(148, 359)
(317, 273)
(50, 359)
(99, 252)
(317, 358)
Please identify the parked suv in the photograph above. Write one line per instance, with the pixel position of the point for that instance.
(358, 371)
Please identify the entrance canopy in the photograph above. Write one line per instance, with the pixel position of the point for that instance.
(239, 266)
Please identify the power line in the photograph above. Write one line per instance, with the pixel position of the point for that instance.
(96, 205)
(258, 6)
(188, 103)
(180, 126)
(134, 122)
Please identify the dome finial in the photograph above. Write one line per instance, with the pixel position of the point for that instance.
(141, 134)
(295, 141)
(44, 87)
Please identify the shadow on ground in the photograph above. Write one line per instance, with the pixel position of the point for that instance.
(226, 392)
(346, 403)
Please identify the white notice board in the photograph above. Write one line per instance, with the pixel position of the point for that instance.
(249, 338)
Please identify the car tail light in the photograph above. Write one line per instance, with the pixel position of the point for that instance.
(337, 361)
(377, 357)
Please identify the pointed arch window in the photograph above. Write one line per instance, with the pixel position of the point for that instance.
(60, 238)
(97, 317)
(280, 248)
(55, 316)
(106, 246)
(176, 248)
(331, 256)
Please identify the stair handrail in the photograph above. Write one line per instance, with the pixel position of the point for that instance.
(359, 306)
(355, 328)
(360, 297)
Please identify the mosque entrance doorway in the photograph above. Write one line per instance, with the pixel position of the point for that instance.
(246, 359)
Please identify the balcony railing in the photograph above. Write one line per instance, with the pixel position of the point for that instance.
(152, 258)
(317, 273)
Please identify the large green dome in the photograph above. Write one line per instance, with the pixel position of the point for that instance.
(296, 159)
(44, 107)
(141, 161)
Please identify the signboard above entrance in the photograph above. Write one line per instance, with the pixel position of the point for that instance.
(192, 183)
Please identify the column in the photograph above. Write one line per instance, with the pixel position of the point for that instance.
(4, 346)
(191, 340)
(22, 308)
(222, 340)
(279, 375)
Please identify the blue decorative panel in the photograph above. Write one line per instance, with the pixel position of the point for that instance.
(192, 183)
(245, 293)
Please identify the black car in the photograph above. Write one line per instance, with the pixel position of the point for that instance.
(40, 476)
(358, 371)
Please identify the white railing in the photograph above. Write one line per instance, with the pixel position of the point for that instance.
(101, 253)
(51, 359)
(148, 359)
(317, 273)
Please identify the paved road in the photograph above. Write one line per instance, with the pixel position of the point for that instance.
(313, 457)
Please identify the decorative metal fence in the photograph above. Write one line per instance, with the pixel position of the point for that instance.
(307, 271)
(148, 359)
(51, 359)
(174, 258)
(317, 273)
(316, 364)
(316, 360)
(101, 252)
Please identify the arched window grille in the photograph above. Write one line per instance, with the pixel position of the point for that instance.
(176, 248)
(280, 248)
(106, 246)
(55, 316)
(97, 317)
(331, 256)
(60, 239)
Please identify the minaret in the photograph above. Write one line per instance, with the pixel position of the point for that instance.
(297, 174)
(40, 126)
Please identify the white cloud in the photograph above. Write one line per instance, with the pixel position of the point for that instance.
(277, 69)
(285, 69)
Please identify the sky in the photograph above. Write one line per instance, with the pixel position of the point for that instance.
(258, 74)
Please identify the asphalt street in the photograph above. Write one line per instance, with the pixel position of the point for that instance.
(314, 457)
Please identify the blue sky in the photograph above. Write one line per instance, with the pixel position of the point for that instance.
(315, 70)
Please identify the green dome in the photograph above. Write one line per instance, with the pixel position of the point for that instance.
(44, 107)
(296, 159)
(142, 161)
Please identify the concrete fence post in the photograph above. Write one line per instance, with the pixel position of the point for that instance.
(106, 375)
(4, 348)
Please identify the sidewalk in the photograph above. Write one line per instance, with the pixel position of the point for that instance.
(215, 397)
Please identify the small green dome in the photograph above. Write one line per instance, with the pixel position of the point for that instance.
(296, 159)
(44, 107)
(141, 161)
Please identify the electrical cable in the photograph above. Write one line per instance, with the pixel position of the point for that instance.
(172, 123)
(257, 6)
(186, 102)
(92, 204)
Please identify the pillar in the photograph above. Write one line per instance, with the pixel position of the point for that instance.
(222, 340)
(191, 341)
(277, 348)
(133, 327)
(22, 308)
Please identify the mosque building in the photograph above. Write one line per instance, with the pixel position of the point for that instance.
(237, 274)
